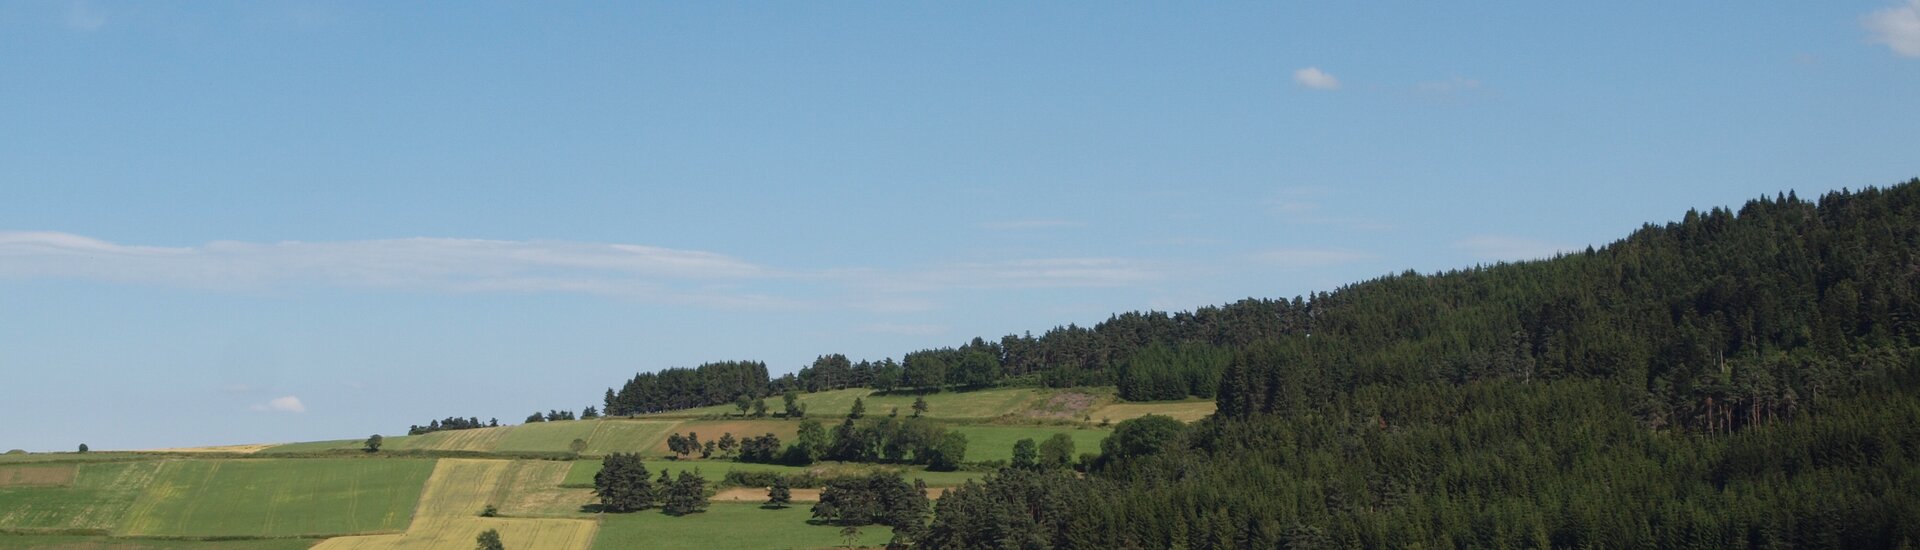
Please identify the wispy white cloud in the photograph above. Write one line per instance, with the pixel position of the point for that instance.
(1898, 27)
(1009, 225)
(904, 329)
(288, 404)
(459, 265)
(1306, 258)
(1027, 273)
(1314, 78)
(1509, 248)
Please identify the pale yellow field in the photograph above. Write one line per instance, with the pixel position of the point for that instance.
(1184, 411)
(532, 488)
(448, 517)
(459, 534)
(236, 449)
(628, 436)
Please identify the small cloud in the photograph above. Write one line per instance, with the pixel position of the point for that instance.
(905, 329)
(1313, 77)
(289, 404)
(1508, 248)
(1898, 27)
(1451, 86)
(82, 16)
(1014, 225)
(1306, 258)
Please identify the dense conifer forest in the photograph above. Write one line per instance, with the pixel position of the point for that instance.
(1738, 378)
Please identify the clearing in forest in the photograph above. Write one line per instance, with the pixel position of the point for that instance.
(1184, 411)
(278, 497)
(991, 442)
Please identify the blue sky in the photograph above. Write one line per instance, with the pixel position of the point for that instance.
(265, 221)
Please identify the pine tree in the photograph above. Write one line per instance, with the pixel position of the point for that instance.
(622, 483)
(688, 495)
(779, 495)
(1024, 455)
(859, 408)
(919, 406)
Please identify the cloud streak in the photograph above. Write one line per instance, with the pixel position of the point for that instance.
(1314, 78)
(1898, 27)
(287, 404)
(644, 272)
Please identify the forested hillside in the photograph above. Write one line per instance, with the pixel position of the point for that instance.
(1737, 378)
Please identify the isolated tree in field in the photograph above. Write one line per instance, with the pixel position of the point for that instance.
(794, 410)
(779, 495)
(622, 483)
(83, 447)
(919, 406)
(577, 446)
(760, 408)
(948, 453)
(1025, 457)
(859, 408)
(373, 443)
(743, 403)
(489, 540)
(688, 495)
(1056, 452)
(489, 511)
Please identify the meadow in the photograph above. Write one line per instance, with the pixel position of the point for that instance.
(96, 500)
(278, 497)
(972, 405)
(727, 525)
(991, 442)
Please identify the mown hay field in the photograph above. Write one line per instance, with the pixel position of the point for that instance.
(50, 475)
(1184, 411)
(278, 497)
(97, 499)
(456, 493)
(946, 404)
(628, 436)
(77, 542)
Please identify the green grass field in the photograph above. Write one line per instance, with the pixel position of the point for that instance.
(279, 497)
(723, 525)
(988, 442)
(65, 542)
(544, 436)
(97, 499)
(1184, 411)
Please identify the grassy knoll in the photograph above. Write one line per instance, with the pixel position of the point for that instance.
(278, 497)
(68, 542)
(628, 436)
(96, 500)
(727, 525)
(1184, 411)
(991, 442)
